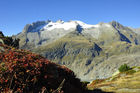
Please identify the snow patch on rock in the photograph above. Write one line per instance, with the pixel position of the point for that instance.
(69, 25)
(57, 25)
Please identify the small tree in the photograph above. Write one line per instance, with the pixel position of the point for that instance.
(124, 68)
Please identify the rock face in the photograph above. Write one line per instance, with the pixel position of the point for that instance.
(91, 51)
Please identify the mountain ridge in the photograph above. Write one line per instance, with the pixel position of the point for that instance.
(76, 49)
(57, 33)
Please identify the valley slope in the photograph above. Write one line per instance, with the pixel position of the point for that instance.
(91, 51)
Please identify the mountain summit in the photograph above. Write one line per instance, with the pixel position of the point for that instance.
(89, 50)
(39, 32)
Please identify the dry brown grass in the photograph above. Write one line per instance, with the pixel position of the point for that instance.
(125, 84)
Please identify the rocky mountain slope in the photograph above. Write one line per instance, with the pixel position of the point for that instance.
(91, 51)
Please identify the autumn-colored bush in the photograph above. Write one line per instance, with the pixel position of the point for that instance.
(23, 72)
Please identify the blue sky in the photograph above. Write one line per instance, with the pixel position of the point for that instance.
(15, 14)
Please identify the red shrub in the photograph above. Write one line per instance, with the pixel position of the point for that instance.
(22, 71)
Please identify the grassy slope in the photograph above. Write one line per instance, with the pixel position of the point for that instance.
(126, 82)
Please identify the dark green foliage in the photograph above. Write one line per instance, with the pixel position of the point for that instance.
(1, 34)
(9, 40)
(124, 68)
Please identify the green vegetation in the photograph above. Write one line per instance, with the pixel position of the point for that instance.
(9, 40)
(124, 68)
(130, 72)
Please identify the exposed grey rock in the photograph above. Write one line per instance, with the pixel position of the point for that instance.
(91, 51)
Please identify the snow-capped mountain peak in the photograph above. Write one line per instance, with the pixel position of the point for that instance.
(69, 25)
(60, 24)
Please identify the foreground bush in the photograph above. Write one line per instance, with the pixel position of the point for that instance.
(24, 72)
(124, 68)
